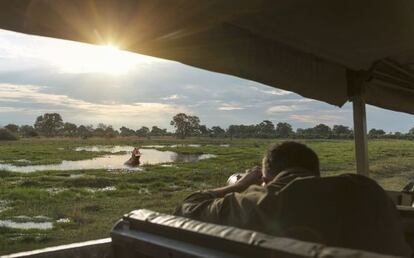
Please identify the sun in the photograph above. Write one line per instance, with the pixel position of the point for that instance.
(104, 59)
(110, 60)
(107, 59)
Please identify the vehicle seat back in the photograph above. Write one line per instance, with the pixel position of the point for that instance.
(144, 233)
(350, 211)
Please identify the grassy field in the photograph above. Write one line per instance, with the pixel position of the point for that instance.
(80, 196)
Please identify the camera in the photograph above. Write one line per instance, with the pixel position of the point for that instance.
(234, 178)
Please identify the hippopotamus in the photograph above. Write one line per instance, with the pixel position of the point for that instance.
(134, 160)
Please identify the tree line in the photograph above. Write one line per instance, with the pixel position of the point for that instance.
(190, 126)
(52, 125)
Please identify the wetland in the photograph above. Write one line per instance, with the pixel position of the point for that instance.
(60, 206)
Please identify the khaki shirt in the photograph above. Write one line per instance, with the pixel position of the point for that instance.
(252, 209)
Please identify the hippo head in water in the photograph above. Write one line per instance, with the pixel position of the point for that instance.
(134, 160)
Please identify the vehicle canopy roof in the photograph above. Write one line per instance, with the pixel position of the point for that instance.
(321, 49)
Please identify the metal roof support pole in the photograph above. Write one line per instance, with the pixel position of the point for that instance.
(355, 81)
(360, 135)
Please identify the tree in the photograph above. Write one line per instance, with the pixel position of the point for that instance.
(411, 132)
(156, 131)
(243, 131)
(49, 124)
(341, 131)
(28, 131)
(85, 131)
(398, 135)
(100, 130)
(284, 130)
(204, 131)
(322, 131)
(194, 125)
(126, 131)
(69, 129)
(109, 132)
(6, 135)
(185, 125)
(12, 128)
(103, 130)
(143, 131)
(306, 133)
(376, 133)
(300, 133)
(217, 131)
(232, 131)
(265, 129)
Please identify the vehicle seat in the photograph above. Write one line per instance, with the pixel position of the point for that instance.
(350, 211)
(148, 234)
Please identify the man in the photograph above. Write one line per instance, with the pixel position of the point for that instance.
(349, 211)
(247, 203)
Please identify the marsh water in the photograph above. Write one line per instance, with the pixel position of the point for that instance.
(113, 161)
(25, 222)
(25, 225)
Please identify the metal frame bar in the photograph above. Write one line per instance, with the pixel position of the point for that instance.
(95, 248)
(360, 135)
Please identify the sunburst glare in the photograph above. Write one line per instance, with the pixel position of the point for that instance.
(72, 57)
(107, 59)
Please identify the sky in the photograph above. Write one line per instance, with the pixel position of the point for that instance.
(100, 84)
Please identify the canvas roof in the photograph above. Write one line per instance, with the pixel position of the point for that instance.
(319, 49)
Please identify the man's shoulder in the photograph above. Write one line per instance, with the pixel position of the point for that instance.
(253, 194)
(286, 177)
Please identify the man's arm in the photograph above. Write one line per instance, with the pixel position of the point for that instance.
(223, 204)
(253, 176)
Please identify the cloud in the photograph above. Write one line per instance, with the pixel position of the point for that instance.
(229, 107)
(13, 109)
(172, 97)
(282, 109)
(277, 92)
(274, 91)
(35, 101)
(318, 119)
(297, 100)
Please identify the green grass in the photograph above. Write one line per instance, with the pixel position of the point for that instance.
(56, 194)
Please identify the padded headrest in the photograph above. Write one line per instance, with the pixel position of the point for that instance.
(249, 237)
(220, 237)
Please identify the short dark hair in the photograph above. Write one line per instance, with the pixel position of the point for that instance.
(289, 155)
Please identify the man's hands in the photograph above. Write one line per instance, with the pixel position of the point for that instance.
(253, 176)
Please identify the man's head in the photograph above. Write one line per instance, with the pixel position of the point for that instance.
(288, 155)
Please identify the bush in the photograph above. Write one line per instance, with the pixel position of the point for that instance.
(6, 135)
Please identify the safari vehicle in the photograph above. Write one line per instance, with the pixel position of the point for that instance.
(332, 51)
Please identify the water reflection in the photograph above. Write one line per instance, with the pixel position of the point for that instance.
(112, 162)
(25, 225)
(104, 189)
(106, 148)
(154, 146)
(115, 149)
(63, 220)
(194, 145)
(186, 145)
